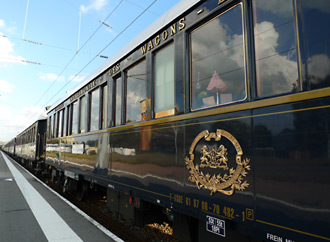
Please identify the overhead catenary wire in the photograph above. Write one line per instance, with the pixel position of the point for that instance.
(66, 66)
(101, 51)
(136, 5)
(105, 48)
(102, 22)
(33, 62)
(47, 45)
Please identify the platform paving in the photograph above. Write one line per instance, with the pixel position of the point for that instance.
(30, 211)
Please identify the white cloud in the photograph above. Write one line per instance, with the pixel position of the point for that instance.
(12, 124)
(7, 29)
(94, 5)
(2, 23)
(51, 77)
(318, 68)
(78, 78)
(7, 52)
(5, 113)
(279, 7)
(6, 87)
(276, 71)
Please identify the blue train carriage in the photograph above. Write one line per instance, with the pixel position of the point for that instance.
(30, 145)
(9, 147)
(216, 116)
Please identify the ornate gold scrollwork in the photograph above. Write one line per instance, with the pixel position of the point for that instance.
(217, 159)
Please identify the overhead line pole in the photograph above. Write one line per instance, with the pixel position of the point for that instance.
(26, 13)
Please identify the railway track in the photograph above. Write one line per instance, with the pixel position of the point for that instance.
(105, 219)
(95, 207)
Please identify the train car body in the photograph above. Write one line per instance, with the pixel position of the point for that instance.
(9, 147)
(218, 113)
(30, 144)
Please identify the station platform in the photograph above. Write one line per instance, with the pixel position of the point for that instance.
(30, 211)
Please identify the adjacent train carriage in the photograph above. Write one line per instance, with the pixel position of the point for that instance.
(9, 147)
(30, 144)
(218, 114)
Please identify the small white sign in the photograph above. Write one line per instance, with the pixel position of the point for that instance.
(216, 226)
(78, 149)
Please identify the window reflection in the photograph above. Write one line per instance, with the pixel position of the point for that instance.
(136, 92)
(83, 106)
(164, 80)
(60, 123)
(316, 19)
(118, 101)
(55, 126)
(104, 106)
(49, 127)
(217, 61)
(75, 118)
(95, 110)
(275, 47)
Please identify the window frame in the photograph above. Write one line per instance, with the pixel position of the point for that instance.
(203, 22)
(124, 105)
(104, 105)
(172, 111)
(60, 123)
(81, 116)
(72, 131)
(122, 100)
(259, 93)
(89, 108)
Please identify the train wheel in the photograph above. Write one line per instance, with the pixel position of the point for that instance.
(82, 190)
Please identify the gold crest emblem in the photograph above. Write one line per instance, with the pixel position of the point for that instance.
(216, 158)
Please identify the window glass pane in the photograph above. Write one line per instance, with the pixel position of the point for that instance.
(95, 110)
(136, 92)
(75, 114)
(55, 126)
(49, 127)
(316, 19)
(164, 79)
(118, 101)
(217, 61)
(60, 123)
(275, 47)
(104, 106)
(66, 121)
(83, 106)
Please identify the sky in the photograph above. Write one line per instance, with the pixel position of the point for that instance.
(48, 46)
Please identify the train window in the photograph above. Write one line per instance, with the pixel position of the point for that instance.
(118, 104)
(217, 61)
(317, 42)
(104, 106)
(66, 121)
(52, 126)
(49, 126)
(275, 48)
(94, 110)
(33, 134)
(60, 124)
(83, 106)
(55, 126)
(74, 120)
(164, 81)
(136, 93)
